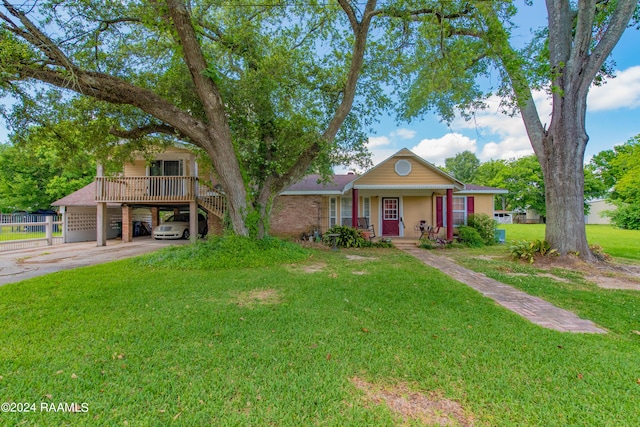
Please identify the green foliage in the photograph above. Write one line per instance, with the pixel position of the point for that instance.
(528, 250)
(349, 237)
(525, 184)
(230, 251)
(463, 166)
(280, 90)
(485, 226)
(522, 177)
(626, 216)
(470, 236)
(619, 170)
(427, 244)
(35, 171)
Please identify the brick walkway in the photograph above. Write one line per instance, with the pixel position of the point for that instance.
(532, 308)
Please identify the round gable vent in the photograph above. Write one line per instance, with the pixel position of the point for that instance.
(403, 167)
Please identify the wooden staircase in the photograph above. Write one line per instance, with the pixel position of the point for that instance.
(211, 200)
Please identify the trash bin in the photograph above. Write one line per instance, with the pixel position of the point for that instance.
(501, 235)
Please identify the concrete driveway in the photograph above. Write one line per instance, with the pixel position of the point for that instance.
(24, 264)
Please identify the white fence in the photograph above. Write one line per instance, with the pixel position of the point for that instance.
(19, 231)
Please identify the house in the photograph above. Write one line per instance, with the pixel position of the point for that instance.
(394, 197)
(597, 208)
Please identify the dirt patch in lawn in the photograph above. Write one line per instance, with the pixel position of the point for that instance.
(359, 258)
(314, 268)
(608, 275)
(614, 282)
(549, 275)
(257, 297)
(430, 409)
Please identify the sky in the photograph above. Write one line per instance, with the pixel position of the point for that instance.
(613, 114)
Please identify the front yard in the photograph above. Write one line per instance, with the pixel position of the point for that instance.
(254, 336)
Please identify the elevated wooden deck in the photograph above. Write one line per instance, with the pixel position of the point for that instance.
(160, 189)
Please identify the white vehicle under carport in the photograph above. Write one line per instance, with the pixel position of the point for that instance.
(177, 227)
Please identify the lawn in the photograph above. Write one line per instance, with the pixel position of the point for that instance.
(15, 233)
(616, 242)
(287, 337)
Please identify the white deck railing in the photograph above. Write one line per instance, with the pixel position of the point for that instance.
(146, 189)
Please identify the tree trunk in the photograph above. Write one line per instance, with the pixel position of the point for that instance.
(564, 188)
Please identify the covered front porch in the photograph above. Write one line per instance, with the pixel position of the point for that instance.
(395, 212)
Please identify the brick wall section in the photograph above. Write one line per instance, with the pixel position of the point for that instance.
(294, 215)
(155, 218)
(127, 224)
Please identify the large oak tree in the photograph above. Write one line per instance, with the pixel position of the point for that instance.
(267, 91)
(580, 39)
(565, 59)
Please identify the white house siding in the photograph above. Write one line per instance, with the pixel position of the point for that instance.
(80, 223)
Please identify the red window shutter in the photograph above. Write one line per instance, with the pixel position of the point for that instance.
(439, 212)
(470, 206)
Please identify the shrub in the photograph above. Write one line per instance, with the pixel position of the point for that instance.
(470, 236)
(527, 251)
(229, 251)
(427, 244)
(627, 216)
(598, 252)
(348, 237)
(485, 226)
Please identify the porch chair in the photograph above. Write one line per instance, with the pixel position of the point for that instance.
(423, 229)
(363, 224)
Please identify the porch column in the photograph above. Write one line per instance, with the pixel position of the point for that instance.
(101, 230)
(354, 208)
(193, 221)
(449, 214)
(101, 211)
(127, 224)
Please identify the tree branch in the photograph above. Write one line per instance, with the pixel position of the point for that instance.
(194, 58)
(512, 64)
(360, 31)
(619, 21)
(144, 131)
(38, 39)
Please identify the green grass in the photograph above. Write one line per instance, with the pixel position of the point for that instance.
(154, 346)
(12, 233)
(616, 242)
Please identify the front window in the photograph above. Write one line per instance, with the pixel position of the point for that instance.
(166, 168)
(332, 212)
(345, 211)
(366, 208)
(459, 211)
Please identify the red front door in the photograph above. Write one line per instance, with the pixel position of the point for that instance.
(390, 216)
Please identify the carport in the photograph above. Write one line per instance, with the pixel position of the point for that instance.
(79, 213)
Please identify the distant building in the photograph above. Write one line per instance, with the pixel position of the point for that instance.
(596, 212)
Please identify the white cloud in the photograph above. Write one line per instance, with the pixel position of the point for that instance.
(513, 139)
(620, 92)
(404, 133)
(378, 141)
(436, 150)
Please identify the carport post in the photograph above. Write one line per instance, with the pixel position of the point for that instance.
(193, 221)
(101, 216)
(101, 211)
